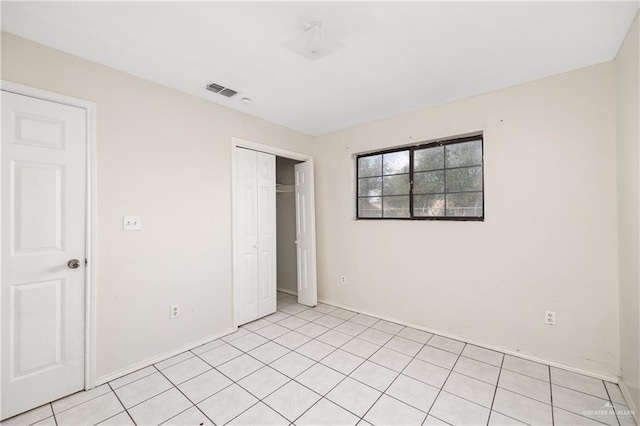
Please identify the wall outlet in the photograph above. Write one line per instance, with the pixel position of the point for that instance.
(550, 318)
(175, 311)
(343, 279)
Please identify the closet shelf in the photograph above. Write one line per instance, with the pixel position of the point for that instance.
(280, 188)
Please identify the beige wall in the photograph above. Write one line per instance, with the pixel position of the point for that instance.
(286, 226)
(165, 156)
(628, 120)
(548, 240)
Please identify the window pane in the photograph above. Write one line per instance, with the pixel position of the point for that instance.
(428, 205)
(396, 163)
(428, 159)
(396, 185)
(370, 187)
(370, 207)
(467, 204)
(396, 206)
(464, 154)
(428, 183)
(465, 179)
(370, 166)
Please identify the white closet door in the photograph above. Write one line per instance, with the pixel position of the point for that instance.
(306, 234)
(266, 234)
(246, 228)
(43, 233)
(255, 228)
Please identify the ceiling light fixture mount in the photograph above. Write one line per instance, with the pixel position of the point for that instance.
(314, 42)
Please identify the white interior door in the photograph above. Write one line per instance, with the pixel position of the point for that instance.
(306, 234)
(245, 274)
(255, 239)
(43, 173)
(267, 260)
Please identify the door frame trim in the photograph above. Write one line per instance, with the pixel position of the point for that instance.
(90, 215)
(243, 143)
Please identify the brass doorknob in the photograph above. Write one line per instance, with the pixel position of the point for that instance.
(73, 264)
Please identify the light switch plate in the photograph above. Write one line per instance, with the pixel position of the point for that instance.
(131, 223)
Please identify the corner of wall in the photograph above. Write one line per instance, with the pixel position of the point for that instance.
(627, 68)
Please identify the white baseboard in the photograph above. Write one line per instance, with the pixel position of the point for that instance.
(608, 378)
(284, 290)
(154, 360)
(630, 402)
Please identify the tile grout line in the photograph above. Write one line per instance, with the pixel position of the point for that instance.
(151, 397)
(519, 394)
(55, 420)
(615, 412)
(183, 394)
(396, 378)
(133, 381)
(582, 416)
(120, 401)
(115, 415)
(495, 391)
(77, 405)
(580, 392)
(184, 411)
(553, 419)
(445, 381)
(143, 401)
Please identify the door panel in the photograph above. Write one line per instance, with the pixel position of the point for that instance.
(305, 234)
(43, 163)
(41, 131)
(267, 234)
(36, 196)
(245, 256)
(36, 306)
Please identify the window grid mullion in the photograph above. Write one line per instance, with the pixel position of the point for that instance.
(448, 168)
(444, 159)
(411, 183)
(382, 186)
(443, 193)
(358, 188)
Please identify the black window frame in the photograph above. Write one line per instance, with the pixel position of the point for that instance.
(411, 149)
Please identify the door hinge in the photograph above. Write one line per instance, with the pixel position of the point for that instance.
(85, 262)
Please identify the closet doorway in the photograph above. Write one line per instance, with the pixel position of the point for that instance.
(273, 228)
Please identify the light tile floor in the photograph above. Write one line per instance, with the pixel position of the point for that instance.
(330, 366)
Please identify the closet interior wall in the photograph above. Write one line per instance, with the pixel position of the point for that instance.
(286, 225)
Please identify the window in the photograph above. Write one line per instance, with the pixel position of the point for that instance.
(440, 180)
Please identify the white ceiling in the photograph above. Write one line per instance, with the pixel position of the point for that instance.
(398, 57)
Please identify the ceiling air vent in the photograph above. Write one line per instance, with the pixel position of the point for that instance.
(228, 93)
(221, 90)
(216, 88)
